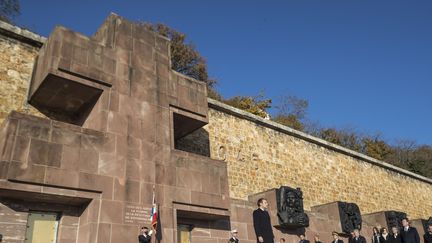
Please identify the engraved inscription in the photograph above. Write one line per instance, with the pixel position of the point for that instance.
(135, 214)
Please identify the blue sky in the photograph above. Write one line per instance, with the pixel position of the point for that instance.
(364, 64)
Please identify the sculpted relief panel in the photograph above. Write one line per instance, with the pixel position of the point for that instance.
(290, 208)
(350, 216)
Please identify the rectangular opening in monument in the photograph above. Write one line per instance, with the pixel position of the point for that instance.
(184, 233)
(41, 227)
(189, 136)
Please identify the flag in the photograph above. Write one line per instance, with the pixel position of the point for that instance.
(158, 228)
(155, 219)
(154, 213)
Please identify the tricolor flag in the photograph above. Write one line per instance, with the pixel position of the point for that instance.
(154, 216)
(155, 219)
(154, 213)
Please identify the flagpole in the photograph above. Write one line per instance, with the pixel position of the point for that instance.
(153, 201)
(151, 217)
(158, 235)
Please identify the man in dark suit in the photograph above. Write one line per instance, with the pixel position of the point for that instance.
(233, 238)
(351, 237)
(395, 236)
(409, 234)
(303, 239)
(262, 223)
(357, 237)
(428, 235)
(336, 237)
(145, 236)
(317, 239)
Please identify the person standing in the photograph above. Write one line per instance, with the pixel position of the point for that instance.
(385, 237)
(358, 238)
(303, 239)
(351, 237)
(409, 234)
(336, 238)
(262, 223)
(317, 239)
(428, 235)
(145, 235)
(395, 237)
(234, 236)
(376, 237)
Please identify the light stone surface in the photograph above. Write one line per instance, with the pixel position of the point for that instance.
(16, 64)
(258, 157)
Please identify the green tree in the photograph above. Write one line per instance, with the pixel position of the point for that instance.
(9, 10)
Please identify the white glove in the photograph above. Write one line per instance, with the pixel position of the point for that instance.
(150, 232)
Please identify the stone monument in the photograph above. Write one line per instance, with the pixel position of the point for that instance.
(394, 218)
(290, 208)
(350, 216)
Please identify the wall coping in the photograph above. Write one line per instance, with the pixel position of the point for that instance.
(34, 39)
(217, 105)
(21, 34)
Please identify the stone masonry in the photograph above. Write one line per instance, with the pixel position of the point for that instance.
(129, 106)
(16, 63)
(113, 121)
(260, 155)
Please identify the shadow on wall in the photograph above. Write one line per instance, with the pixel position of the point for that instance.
(196, 142)
(294, 231)
(64, 205)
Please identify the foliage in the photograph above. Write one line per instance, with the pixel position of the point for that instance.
(405, 154)
(421, 162)
(376, 147)
(185, 58)
(9, 10)
(291, 111)
(256, 105)
(347, 138)
(212, 93)
(289, 121)
(292, 105)
(410, 156)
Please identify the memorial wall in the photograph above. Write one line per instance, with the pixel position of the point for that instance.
(91, 126)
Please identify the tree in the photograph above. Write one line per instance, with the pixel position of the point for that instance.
(290, 121)
(410, 156)
(402, 153)
(185, 58)
(376, 147)
(348, 138)
(257, 105)
(291, 112)
(421, 162)
(9, 10)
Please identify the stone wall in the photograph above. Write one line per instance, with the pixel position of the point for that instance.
(16, 64)
(261, 157)
(110, 133)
